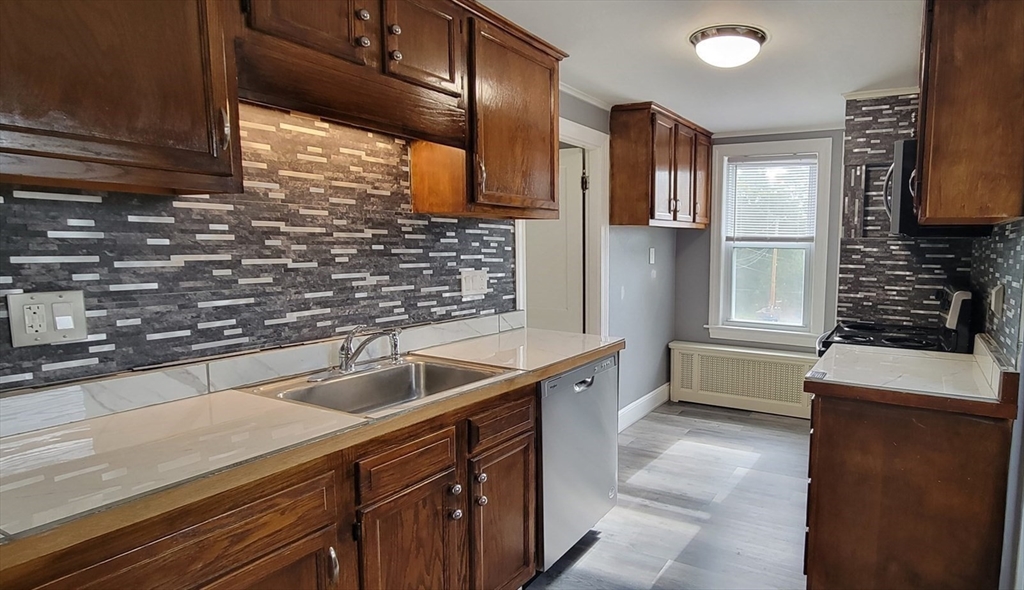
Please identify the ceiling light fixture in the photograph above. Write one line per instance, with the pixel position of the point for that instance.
(728, 46)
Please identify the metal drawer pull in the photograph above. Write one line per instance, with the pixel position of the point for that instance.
(481, 478)
(335, 566)
(456, 515)
(456, 489)
(396, 55)
(363, 41)
(482, 500)
(396, 30)
(582, 385)
(363, 14)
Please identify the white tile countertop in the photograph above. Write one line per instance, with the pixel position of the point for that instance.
(942, 374)
(57, 473)
(525, 349)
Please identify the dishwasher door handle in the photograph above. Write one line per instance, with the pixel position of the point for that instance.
(583, 385)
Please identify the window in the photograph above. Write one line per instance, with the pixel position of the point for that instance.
(768, 256)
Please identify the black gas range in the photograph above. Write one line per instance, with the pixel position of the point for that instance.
(953, 336)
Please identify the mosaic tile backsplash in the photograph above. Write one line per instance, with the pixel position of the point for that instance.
(891, 279)
(323, 238)
(1000, 260)
(883, 278)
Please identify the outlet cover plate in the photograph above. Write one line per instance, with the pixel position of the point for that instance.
(474, 282)
(34, 321)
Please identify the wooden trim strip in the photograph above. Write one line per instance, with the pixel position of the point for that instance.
(1000, 409)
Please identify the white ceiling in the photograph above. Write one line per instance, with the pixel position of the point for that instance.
(638, 50)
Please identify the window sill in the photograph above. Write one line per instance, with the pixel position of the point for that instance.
(782, 338)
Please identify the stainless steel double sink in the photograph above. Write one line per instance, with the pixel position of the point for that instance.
(380, 387)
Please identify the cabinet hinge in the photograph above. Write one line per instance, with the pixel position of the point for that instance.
(585, 182)
(357, 531)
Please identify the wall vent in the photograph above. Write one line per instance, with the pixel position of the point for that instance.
(745, 378)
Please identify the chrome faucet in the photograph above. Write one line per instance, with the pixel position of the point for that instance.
(348, 354)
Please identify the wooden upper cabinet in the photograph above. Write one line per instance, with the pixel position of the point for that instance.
(412, 539)
(117, 95)
(424, 40)
(306, 564)
(971, 152)
(684, 167)
(660, 168)
(503, 510)
(662, 185)
(509, 167)
(342, 28)
(702, 180)
(514, 108)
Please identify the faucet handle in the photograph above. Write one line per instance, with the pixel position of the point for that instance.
(395, 347)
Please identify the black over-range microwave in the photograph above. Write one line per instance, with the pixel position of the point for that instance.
(901, 184)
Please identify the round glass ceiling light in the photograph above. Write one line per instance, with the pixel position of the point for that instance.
(728, 46)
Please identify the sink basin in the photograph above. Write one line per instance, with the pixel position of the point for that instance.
(369, 391)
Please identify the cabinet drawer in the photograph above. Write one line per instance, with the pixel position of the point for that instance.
(195, 555)
(500, 424)
(388, 472)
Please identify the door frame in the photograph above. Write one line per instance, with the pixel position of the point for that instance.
(595, 228)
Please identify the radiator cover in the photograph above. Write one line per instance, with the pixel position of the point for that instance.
(744, 378)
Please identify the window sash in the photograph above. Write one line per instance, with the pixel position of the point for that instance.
(729, 281)
(744, 219)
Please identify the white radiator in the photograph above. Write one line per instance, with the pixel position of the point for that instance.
(745, 378)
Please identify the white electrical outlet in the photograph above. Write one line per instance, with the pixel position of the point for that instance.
(46, 318)
(995, 300)
(474, 282)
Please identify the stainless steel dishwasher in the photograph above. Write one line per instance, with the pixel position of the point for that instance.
(579, 453)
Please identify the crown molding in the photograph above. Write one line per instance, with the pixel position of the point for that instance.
(865, 94)
(597, 102)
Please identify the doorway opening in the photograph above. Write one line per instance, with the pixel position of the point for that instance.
(562, 264)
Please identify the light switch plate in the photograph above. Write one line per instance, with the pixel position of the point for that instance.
(474, 282)
(46, 318)
(651, 256)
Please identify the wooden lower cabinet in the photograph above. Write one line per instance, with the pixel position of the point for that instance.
(414, 539)
(307, 564)
(904, 497)
(503, 515)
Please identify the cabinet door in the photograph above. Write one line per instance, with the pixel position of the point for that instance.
(307, 564)
(514, 108)
(342, 28)
(415, 539)
(663, 160)
(972, 113)
(683, 168)
(107, 93)
(702, 180)
(503, 506)
(424, 43)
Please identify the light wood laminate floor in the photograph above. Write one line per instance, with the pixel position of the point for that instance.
(708, 498)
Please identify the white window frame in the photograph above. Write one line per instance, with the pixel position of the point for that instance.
(815, 283)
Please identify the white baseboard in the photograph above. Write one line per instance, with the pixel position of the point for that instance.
(643, 406)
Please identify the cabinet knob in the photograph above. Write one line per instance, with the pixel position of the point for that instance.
(481, 478)
(456, 489)
(396, 55)
(395, 29)
(363, 14)
(482, 500)
(456, 514)
(363, 41)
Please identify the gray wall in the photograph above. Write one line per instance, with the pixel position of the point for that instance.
(582, 112)
(693, 254)
(642, 306)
